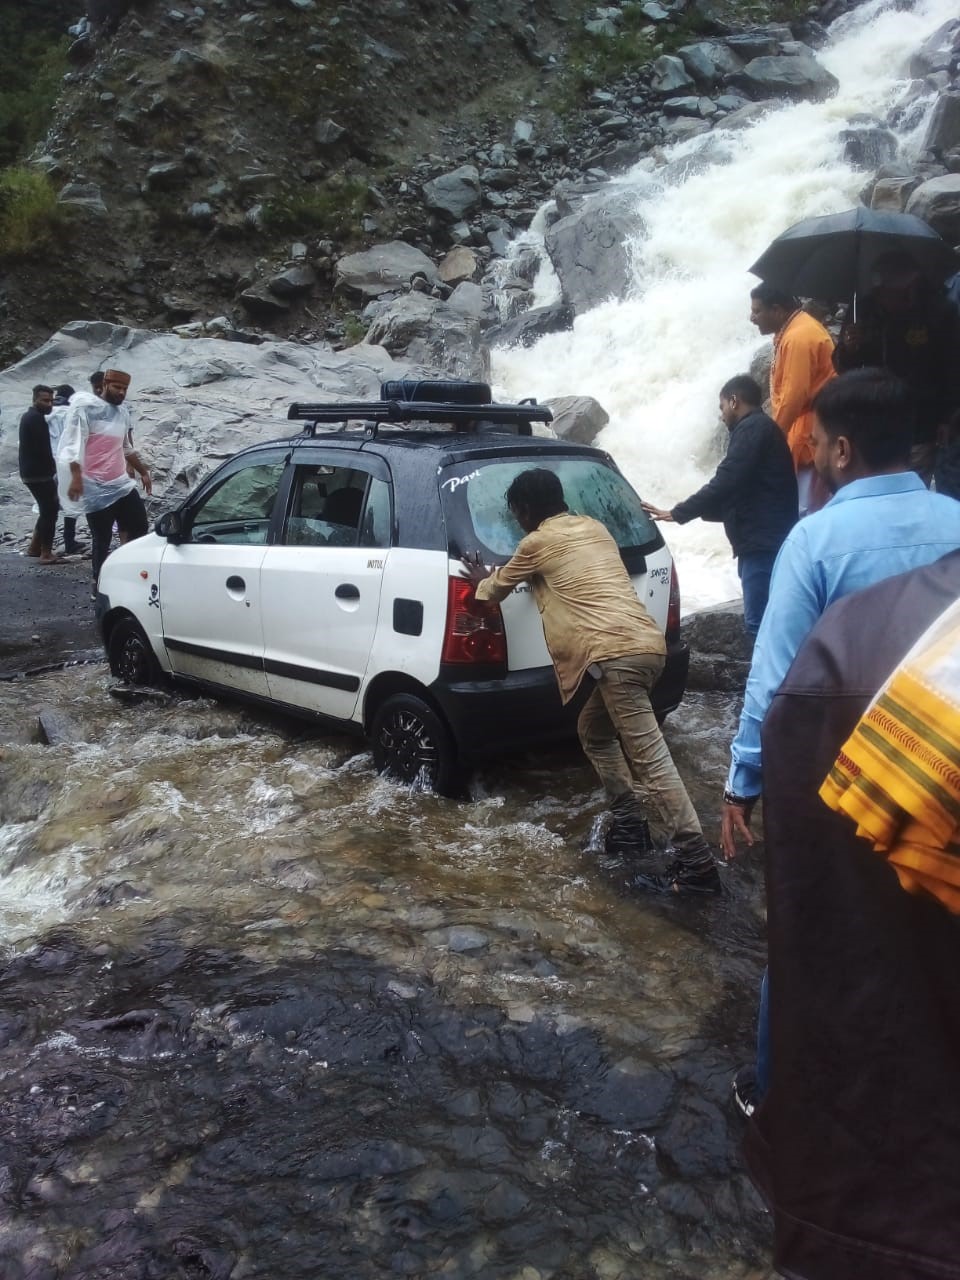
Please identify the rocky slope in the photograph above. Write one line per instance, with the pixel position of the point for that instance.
(200, 151)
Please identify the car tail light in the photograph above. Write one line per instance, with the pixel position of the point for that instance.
(474, 631)
(673, 608)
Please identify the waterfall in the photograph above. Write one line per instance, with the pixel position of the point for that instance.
(656, 358)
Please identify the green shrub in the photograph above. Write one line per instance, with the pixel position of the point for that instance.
(30, 217)
(333, 210)
(33, 60)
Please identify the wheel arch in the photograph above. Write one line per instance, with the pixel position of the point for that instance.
(386, 684)
(112, 619)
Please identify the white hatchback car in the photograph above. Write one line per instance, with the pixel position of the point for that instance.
(321, 574)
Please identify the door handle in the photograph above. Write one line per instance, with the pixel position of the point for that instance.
(347, 591)
(236, 583)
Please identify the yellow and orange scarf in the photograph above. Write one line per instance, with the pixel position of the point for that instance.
(898, 774)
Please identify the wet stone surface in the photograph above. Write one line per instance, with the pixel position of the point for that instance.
(264, 1015)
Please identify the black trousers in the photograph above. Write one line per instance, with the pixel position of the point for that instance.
(131, 517)
(45, 495)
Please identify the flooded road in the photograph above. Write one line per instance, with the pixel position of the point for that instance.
(267, 1016)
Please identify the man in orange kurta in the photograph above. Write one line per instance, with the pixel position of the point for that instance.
(802, 363)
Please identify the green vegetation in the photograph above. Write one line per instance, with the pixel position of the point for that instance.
(30, 217)
(32, 65)
(354, 330)
(333, 210)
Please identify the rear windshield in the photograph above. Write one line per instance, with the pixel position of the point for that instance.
(475, 504)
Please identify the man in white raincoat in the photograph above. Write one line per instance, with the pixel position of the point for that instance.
(92, 458)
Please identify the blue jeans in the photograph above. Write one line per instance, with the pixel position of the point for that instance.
(755, 569)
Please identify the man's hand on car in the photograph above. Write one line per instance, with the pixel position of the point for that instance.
(658, 513)
(476, 570)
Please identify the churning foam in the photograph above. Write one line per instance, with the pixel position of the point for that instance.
(656, 358)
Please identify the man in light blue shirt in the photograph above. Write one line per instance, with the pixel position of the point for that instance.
(881, 521)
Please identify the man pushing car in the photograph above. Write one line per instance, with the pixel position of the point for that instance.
(594, 625)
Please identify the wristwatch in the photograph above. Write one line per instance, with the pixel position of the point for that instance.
(742, 802)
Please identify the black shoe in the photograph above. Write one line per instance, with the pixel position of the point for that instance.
(629, 834)
(649, 883)
(686, 880)
(745, 1092)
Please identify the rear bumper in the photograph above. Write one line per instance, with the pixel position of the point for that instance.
(523, 710)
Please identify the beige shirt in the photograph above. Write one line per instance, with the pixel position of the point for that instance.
(589, 609)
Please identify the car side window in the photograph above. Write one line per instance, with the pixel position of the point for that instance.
(326, 507)
(238, 511)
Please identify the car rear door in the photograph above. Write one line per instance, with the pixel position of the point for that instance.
(322, 582)
(210, 582)
(473, 494)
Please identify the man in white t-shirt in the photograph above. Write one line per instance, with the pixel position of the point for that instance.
(94, 452)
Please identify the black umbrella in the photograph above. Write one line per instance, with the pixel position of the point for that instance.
(833, 258)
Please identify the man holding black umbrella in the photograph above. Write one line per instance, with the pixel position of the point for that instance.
(802, 364)
(907, 326)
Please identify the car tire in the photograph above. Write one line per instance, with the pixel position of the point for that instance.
(436, 391)
(131, 655)
(413, 746)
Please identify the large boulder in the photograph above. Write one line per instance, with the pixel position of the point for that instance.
(799, 77)
(937, 201)
(588, 249)
(577, 418)
(432, 333)
(384, 268)
(670, 76)
(196, 402)
(720, 649)
(943, 131)
(454, 195)
(938, 51)
(530, 326)
(709, 62)
(891, 194)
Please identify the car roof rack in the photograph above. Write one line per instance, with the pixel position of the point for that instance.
(374, 413)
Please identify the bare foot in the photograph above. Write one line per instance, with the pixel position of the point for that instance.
(52, 560)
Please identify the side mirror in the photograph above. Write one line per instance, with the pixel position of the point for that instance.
(170, 526)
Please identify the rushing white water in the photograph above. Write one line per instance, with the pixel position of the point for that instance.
(656, 359)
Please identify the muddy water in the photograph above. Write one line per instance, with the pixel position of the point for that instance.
(264, 1015)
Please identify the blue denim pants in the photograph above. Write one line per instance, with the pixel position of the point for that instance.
(755, 569)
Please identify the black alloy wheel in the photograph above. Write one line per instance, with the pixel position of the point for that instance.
(131, 657)
(413, 746)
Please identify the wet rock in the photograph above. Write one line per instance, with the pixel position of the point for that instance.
(867, 144)
(57, 727)
(383, 268)
(720, 650)
(588, 249)
(709, 62)
(937, 201)
(459, 264)
(943, 131)
(893, 193)
(798, 77)
(670, 75)
(938, 51)
(454, 195)
(578, 418)
(467, 298)
(528, 327)
(696, 1142)
(635, 1100)
(430, 332)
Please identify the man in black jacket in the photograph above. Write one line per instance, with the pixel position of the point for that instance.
(754, 493)
(38, 473)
